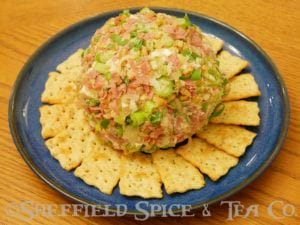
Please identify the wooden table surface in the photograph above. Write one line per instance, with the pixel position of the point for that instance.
(26, 24)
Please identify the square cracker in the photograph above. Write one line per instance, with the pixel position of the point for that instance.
(242, 86)
(215, 43)
(176, 173)
(101, 168)
(71, 145)
(239, 113)
(231, 65)
(139, 176)
(230, 138)
(59, 89)
(72, 63)
(210, 160)
(55, 118)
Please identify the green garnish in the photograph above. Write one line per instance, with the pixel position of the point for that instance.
(128, 120)
(186, 22)
(156, 117)
(96, 39)
(164, 88)
(104, 123)
(183, 78)
(92, 102)
(137, 44)
(86, 51)
(117, 39)
(133, 33)
(97, 126)
(125, 12)
(196, 74)
(138, 118)
(101, 67)
(108, 75)
(148, 107)
(204, 107)
(190, 54)
(119, 130)
(218, 110)
(213, 72)
(126, 80)
(103, 58)
(98, 58)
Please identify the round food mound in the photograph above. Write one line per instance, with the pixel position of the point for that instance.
(150, 81)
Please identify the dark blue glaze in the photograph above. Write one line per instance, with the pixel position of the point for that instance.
(26, 129)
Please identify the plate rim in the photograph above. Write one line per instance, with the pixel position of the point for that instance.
(23, 151)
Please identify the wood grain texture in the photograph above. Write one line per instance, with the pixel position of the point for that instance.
(274, 25)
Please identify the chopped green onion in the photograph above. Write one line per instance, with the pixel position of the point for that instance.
(146, 10)
(117, 39)
(97, 126)
(163, 87)
(126, 80)
(128, 120)
(183, 78)
(119, 130)
(133, 33)
(213, 72)
(103, 58)
(92, 102)
(186, 22)
(125, 12)
(138, 118)
(218, 110)
(148, 107)
(104, 123)
(98, 57)
(86, 51)
(148, 150)
(137, 44)
(108, 75)
(191, 55)
(156, 117)
(194, 55)
(204, 107)
(101, 67)
(196, 74)
(96, 39)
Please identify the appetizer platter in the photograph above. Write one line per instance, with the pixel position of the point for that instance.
(153, 106)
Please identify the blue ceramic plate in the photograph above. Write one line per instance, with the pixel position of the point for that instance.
(26, 129)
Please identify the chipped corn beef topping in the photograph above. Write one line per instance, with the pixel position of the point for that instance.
(149, 81)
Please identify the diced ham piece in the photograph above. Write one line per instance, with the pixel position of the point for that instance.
(191, 87)
(178, 33)
(175, 62)
(195, 38)
(140, 68)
